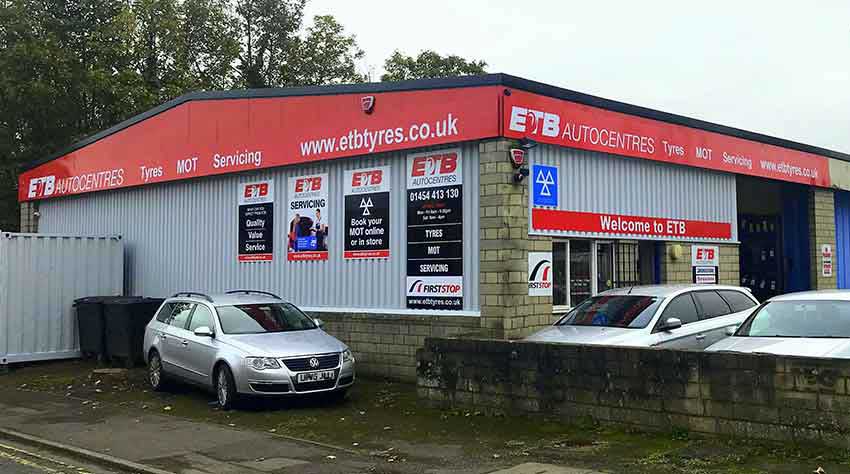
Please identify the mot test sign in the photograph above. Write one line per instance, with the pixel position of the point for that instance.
(307, 218)
(367, 213)
(256, 221)
(435, 230)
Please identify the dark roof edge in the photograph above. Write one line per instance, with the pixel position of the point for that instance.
(616, 106)
(449, 83)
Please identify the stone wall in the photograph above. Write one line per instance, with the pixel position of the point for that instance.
(29, 221)
(822, 231)
(678, 270)
(506, 309)
(757, 396)
(385, 345)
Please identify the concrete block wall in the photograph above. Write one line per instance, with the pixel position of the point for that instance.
(29, 221)
(678, 270)
(754, 396)
(385, 345)
(822, 231)
(506, 309)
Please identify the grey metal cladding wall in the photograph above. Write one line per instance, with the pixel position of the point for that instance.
(183, 236)
(601, 182)
(40, 276)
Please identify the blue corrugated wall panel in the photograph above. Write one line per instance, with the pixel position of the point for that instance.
(842, 237)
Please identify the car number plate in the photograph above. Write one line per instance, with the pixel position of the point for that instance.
(316, 376)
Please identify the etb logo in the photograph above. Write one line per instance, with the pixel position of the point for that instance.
(253, 191)
(303, 185)
(41, 187)
(367, 178)
(544, 186)
(705, 253)
(534, 122)
(433, 165)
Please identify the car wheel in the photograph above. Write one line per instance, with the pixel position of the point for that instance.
(156, 375)
(225, 388)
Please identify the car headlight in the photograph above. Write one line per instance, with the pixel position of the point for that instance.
(262, 363)
(347, 356)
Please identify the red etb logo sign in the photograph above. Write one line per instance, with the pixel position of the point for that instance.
(303, 185)
(367, 178)
(705, 253)
(256, 190)
(434, 165)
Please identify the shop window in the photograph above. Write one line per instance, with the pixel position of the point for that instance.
(682, 308)
(582, 268)
(737, 300)
(712, 304)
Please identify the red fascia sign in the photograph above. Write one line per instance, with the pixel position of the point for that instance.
(569, 124)
(615, 224)
(210, 137)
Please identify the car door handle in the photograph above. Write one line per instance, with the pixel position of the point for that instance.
(163, 337)
(700, 337)
(184, 342)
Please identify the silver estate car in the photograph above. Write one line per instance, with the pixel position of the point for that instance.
(244, 342)
(669, 316)
(806, 324)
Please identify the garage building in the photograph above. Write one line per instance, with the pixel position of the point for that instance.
(397, 211)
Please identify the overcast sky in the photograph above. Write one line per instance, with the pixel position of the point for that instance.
(778, 67)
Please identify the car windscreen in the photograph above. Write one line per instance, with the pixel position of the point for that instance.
(817, 318)
(619, 311)
(263, 318)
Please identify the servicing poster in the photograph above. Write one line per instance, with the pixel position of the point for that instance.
(256, 222)
(367, 213)
(307, 218)
(435, 230)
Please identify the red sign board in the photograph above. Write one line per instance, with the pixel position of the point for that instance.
(570, 221)
(209, 137)
(559, 122)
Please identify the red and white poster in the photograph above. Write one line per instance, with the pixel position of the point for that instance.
(615, 224)
(210, 137)
(564, 123)
(826, 260)
(307, 218)
(539, 273)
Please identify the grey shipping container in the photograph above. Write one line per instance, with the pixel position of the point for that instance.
(40, 277)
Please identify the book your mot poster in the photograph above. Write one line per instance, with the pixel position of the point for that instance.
(435, 230)
(256, 222)
(367, 213)
(307, 218)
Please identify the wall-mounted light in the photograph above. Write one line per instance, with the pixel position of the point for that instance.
(526, 143)
(520, 175)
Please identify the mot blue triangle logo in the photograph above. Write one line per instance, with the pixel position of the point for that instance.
(544, 187)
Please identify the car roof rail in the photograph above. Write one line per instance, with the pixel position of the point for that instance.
(191, 294)
(250, 292)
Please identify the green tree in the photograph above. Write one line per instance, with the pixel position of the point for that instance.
(429, 64)
(209, 44)
(269, 34)
(326, 55)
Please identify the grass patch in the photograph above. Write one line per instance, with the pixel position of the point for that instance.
(379, 415)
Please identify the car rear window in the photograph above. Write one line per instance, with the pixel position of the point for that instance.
(712, 304)
(621, 311)
(737, 300)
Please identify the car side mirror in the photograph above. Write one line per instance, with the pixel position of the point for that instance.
(731, 330)
(670, 324)
(204, 331)
(319, 323)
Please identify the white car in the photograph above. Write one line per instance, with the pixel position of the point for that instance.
(805, 324)
(669, 316)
